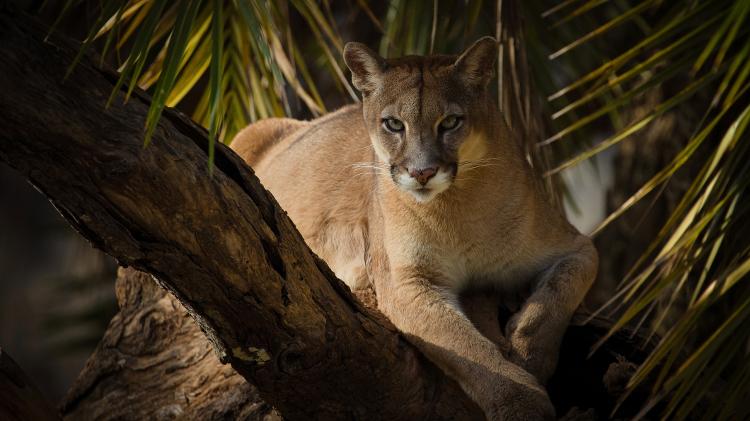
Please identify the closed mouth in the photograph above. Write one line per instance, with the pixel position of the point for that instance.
(421, 194)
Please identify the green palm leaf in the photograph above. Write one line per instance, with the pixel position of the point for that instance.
(700, 253)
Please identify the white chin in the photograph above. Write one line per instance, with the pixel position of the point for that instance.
(423, 195)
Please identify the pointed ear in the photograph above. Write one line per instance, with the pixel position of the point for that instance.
(476, 65)
(366, 65)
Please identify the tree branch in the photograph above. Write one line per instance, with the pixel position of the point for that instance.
(19, 398)
(154, 363)
(219, 243)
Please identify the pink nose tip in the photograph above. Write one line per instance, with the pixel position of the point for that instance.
(424, 175)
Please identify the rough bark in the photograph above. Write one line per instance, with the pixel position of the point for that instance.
(219, 243)
(154, 363)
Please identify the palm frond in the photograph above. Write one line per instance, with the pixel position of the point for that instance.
(700, 256)
(242, 51)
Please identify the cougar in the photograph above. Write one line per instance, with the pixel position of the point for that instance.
(420, 192)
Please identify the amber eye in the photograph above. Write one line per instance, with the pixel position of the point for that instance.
(393, 125)
(451, 122)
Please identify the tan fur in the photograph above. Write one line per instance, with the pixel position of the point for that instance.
(344, 180)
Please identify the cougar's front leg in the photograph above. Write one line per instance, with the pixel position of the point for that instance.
(428, 315)
(535, 332)
(482, 307)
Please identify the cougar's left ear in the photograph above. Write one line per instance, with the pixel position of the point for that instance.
(476, 65)
(366, 65)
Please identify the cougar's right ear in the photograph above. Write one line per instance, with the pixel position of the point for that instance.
(366, 65)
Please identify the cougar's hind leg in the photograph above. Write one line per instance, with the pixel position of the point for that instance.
(252, 142)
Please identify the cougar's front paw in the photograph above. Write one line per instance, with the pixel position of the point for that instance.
(519, 402)
(540, 363)
(535, 354)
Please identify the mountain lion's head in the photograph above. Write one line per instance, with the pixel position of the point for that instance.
(425, 115)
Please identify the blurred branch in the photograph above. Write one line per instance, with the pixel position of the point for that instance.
(19, 398)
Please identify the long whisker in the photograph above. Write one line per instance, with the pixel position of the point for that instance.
(369, 164)
(482, 160)
(475, 166)
(370, 171)
(460, 178)
(376, 169)
(368, 168)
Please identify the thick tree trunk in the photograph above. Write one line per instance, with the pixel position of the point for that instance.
(219, 243)
(154, 363)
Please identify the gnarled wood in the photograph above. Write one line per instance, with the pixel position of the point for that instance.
(154, 363)
(219, 243)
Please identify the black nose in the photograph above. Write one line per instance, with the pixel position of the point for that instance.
(424, 175)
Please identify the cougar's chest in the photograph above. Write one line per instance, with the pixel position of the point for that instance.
(459, 250)
(484, 253)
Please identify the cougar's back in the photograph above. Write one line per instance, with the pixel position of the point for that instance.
(319, 172)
